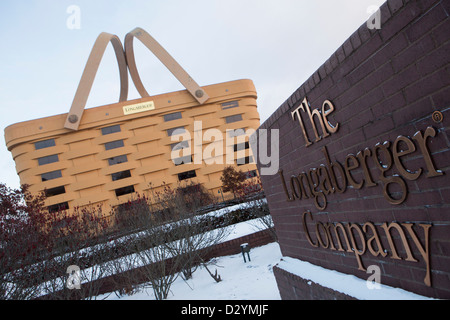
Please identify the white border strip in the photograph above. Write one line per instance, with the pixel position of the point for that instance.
(345, 283)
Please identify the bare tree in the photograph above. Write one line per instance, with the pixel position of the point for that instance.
(252, 195)
(170, 235)
(197, 232)
(76, 241)
(21, 244)
(232, 180)
(148, 255)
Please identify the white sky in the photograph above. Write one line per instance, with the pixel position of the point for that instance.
(276, 43)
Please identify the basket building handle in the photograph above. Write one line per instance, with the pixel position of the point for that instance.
(84, 87)
(194, 89)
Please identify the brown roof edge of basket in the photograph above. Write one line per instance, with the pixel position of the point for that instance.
(47, 127)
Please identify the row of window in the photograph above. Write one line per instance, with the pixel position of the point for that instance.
(233, 118)
(245, 160)
(185, 144)
(177, 115)
(117, 160)
(186, 175)
(182, 160)
(51, 175)
(44, 144)
(251, 174)
(126, 174)
(229, 105)
(123, 158)
(179, 145)
(122, 191)
(237, 132)
(181, 130)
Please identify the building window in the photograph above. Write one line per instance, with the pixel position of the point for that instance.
(51, 175)
(114, 145)
(111, 129)
(234, 118)
(124, 190)
(241, 146)
(182, 160)
(229, 105)
(117, 160)
(251, 174)
(58, 207)
(48, 159)
(245, 160)
(44, 144)
(174, 131)
(180, 145)
(172, 116)
(236, 133)
(186, 175)
(54, 191)
(121, 175)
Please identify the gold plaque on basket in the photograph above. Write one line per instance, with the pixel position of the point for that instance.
(139, 107)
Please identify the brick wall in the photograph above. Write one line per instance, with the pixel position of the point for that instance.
(292, 287)
(383, 83)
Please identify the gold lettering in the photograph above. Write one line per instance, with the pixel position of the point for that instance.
(375, 238)
(327, 228)
(424, 250)
(325, 183)
(341, 227)
(315, 115)
(325, 113)
(288, 196)
(348, 167)
(394, 255)
(422, 141)
(299, 117)
(298, 181)
(357, 242)
(389, 180)
(311, 115)
(301, 177)
(331, 166)
(319, 237)
(356, 250)
(397, 154)
(316, 193)
(363, 155)
(305, 228)
(294, 181)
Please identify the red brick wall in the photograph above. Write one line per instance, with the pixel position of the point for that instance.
(383, 83)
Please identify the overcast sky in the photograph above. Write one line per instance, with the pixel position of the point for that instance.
(276, 43)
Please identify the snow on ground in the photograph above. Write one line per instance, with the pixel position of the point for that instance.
(253, 280)
(345, 283)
